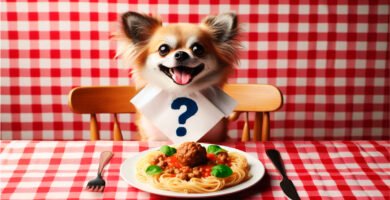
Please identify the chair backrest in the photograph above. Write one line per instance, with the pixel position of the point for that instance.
(260, 99)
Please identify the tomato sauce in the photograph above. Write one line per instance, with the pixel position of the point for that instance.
(205, 169)
(211, 156)
(173, 162)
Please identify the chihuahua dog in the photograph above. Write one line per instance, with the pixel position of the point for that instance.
(179, 58)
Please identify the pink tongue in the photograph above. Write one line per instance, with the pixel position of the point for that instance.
(180, 77)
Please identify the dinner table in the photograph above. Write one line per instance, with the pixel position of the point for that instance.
(31, 169)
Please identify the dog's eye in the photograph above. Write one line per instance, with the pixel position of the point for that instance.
(197, 49)
(163, 50)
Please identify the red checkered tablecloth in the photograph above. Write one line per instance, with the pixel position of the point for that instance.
(326, 169)
(329, 58)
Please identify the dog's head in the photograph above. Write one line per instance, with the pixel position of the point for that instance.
(179, 57)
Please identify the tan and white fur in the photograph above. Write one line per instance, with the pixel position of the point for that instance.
(178, 58)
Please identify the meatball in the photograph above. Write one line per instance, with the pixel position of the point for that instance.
(222, 157)
(160, 161)
(191, 154)
(158, 158)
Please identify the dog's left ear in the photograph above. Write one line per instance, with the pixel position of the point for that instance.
(223, 27)
(139, 27)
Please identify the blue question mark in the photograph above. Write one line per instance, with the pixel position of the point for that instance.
(192, 108)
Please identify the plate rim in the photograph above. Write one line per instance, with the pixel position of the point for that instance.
(252, 160)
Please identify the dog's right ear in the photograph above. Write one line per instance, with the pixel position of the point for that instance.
(139, 27)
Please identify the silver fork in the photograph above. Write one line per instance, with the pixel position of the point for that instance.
(98, 184)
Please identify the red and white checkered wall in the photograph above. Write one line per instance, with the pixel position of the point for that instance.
(330, 60)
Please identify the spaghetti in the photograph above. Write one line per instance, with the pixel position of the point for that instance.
(170, 174)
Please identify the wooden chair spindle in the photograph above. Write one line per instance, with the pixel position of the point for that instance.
(257, 127)
(117, 133)
(94, 129)
(245, 131)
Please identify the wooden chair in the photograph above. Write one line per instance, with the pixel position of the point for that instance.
(260, 99)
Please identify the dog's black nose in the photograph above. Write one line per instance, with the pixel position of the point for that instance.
(181, 56)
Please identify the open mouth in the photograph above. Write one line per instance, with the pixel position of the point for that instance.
(182, 75)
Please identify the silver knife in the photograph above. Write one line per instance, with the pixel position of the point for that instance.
(286, 184)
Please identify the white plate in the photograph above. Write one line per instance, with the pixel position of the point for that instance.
(127, 172)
